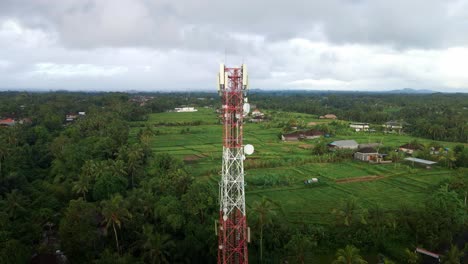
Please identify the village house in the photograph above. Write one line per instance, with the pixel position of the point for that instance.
(25, 120)
(359, 126)
(393, 127)
(369, 145)
(409, 148)
(299, 135)
(257, 113)
(328, 116)
(257, 119)
(71, 117)
(344, 144)
(367, 154)
(7, 122)
(185, 109)
(141, 100)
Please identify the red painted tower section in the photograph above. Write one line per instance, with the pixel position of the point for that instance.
(232, 240)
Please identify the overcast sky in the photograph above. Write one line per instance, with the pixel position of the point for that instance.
(177, 45)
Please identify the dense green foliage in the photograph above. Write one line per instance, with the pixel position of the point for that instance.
(103, 189)
(82, 187)
(435, 116)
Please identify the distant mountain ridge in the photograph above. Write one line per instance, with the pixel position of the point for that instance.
(412, 91)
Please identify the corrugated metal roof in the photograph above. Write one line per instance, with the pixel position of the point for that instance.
(422, 161)
(345, 143)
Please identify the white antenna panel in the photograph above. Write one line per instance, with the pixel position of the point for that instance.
(221, 73)
(226, 79)
(244, 75)
(248, 149)
(246, 108)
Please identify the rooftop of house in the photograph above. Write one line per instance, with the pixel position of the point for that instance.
(421, 161)
(367, 150)
(393, 123)
(7, 121)
(258, 117)
(304, 133)
(411, 146)
(313, 133)
(292, 134)
(369, 145)
(359, 124)
(344, 143)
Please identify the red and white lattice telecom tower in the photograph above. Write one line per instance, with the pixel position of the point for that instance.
(233, 233)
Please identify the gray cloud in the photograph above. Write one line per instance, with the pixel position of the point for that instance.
(166, 44)
(207, 24)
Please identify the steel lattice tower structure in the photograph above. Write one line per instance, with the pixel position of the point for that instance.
(233, 231)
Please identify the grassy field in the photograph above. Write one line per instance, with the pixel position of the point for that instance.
(278, 169)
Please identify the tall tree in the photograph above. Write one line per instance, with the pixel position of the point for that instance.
(348, 255)
(452, 256)
(115, 213)
(299, 245)
(350, 212)
(82, 185)
(156, 247)
(15, 202)
(263, 212)
(79, 224)
(412, 257)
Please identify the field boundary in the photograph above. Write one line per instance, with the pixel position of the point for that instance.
(360, 179)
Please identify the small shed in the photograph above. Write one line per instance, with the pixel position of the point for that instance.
(344, 144)
(294, 136)
(298, 135)
(359, 126)
(366, 154)
(369, 145)
(328, 116)
(427, 163)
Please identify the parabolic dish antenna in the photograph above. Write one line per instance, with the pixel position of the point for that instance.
(248, 149)
(246, 108)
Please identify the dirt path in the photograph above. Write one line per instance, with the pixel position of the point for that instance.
(191, 158)
(361, 179)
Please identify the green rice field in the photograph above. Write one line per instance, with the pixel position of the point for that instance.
(277, 169)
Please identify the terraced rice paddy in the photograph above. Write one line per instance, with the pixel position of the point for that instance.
(277, 170)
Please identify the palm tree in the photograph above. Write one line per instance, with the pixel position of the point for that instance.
(453, 256)
(380, 222)
(134, 161)
(115, 212)
(90, 169)
(156, 247)
(81, 186)
(146, 135)
(349, 212)
(449, 158)
(348, 255)
(411, 257)
(263, 212)
(3, 155)
(299, 245)
(14, 203)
